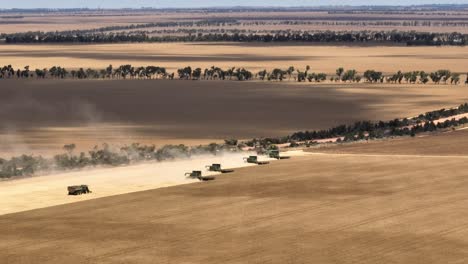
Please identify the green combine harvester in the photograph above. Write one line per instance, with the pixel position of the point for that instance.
(254, 160)
(78, 190)
(198, 175)
(217, 168)
(275, 154)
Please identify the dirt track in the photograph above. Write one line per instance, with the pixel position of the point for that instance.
(314, 209)
(41, 116)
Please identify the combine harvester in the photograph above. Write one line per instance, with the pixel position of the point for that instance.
(198, 175)
(254, 160)
(275, 154)
(78, 190)
(217, 168)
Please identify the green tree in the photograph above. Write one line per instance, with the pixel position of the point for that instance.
(278, 74)
(455, 78)
(290, 71)
(109, 71)
(301, 76)
(197, 73)
(373, 76)
(423, 77)
(349, 75)
(339, 72)
(262, 74)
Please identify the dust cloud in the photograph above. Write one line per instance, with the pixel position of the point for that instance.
(50, 190)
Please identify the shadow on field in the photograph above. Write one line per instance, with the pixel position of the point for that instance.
(97, 111)
(178, 108)
(154, 57)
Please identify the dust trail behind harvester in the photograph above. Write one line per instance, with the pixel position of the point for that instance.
(44, 191)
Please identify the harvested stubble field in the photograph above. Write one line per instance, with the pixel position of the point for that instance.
(252, 56)
(48, 189)
(63, 21)
(389, 201)
(405, 20)
(40, 116)
(453, 145)
(328, 208)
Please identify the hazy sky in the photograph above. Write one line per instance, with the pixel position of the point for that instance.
(205, 3)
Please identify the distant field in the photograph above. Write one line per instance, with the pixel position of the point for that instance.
(43, 115)
(405, 20)
(254, 57)
(330, 208)
(63, 22)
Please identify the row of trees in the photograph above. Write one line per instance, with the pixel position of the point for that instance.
(211, 26)
(112, 156)
(408, 38)
(373, 130)
(413, 23)
(213, 22)
(128, 71)
(240, 74)
(414, 77)
(106, 155)
(214, 73)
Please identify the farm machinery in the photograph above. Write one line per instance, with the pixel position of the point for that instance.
(217, 168)
(275, 154)
(254, 160)
(78, 190)
(198, 175)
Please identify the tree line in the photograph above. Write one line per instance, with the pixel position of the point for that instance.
(368, 130)
(211, 22)
(240, 74)
(395, 37)
(107, 155)
(404, 23)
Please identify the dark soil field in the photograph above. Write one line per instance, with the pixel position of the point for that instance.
(43, 115)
